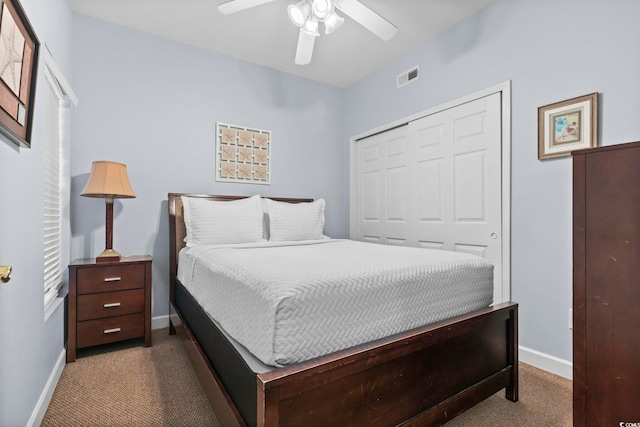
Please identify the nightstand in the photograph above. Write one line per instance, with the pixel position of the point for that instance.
(108, 302)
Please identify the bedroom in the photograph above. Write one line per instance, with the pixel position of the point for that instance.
(550, 51)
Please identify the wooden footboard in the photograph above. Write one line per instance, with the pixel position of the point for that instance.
(426, 376)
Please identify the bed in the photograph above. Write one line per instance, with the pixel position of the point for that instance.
(422, 376)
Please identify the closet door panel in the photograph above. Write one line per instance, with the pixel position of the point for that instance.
(437, 183)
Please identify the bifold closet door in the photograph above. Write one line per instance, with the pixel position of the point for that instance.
(436, 183)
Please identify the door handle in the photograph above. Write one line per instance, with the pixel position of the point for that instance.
(5, 273)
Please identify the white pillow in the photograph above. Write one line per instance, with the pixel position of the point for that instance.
(217, 222)
(295, 221)
(265, 220)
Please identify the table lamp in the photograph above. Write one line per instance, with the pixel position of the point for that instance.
(108, 180)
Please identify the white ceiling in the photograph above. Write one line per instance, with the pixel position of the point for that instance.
(264, 35)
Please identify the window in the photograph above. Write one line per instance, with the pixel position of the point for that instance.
(52, 203)
(58, 99)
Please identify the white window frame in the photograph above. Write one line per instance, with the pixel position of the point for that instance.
(56, 194)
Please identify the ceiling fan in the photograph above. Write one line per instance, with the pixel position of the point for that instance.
(307, 14)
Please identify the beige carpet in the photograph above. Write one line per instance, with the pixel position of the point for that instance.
(127, 384)
(545, 400)
(132, 386)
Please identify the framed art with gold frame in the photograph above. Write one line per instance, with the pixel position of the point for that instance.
(18, 73)
(568, 125)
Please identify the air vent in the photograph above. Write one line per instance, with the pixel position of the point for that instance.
(409, 76)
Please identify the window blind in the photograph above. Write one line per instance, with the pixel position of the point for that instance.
(52, 205)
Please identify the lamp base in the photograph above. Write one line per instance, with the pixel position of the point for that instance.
(108, 255)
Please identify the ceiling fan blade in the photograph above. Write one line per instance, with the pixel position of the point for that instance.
(305, 48)
(234, 6)
(367, 18)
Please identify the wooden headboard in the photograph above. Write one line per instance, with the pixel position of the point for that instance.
(177, 230)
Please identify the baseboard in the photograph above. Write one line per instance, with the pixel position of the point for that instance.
(43, 403)
(546, 362)
(160, 322)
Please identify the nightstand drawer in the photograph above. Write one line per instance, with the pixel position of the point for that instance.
(110, 278)
(110, 304)
(110, 329)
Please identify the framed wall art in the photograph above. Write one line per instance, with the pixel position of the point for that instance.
(567, 126)
(18, 73)
(243, 154)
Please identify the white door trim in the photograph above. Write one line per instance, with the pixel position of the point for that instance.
(505, 90)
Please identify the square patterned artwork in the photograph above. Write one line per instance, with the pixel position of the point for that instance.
(243, 154)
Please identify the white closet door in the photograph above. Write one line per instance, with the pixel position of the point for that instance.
(384, 167)
(436, 183)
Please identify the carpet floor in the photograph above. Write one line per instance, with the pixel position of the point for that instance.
(156, 386)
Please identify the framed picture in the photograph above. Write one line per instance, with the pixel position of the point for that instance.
(567, 126)
(18, 73)
(243, 154)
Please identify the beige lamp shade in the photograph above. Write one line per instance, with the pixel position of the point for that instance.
(108, 179)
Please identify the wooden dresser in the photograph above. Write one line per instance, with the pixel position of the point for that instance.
(606, 286)
(108, 302)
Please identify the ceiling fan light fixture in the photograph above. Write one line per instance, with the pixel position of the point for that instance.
(321, 8)
(332, 22)
(298, 13)
(311, 26)
(307, 14)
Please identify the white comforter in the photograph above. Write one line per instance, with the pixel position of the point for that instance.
(290, 302)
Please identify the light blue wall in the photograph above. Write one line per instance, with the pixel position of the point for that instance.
(153, 104)
(551, 51)
(30, 344)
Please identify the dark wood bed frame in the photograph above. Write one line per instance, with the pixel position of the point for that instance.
(425, 376)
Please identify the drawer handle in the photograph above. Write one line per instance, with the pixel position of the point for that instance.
(112, 279)
(112, 304)
(111, 331)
